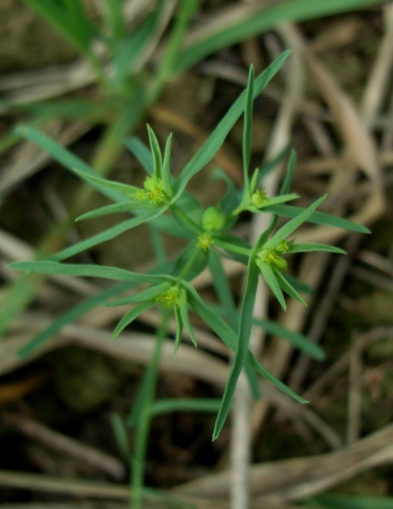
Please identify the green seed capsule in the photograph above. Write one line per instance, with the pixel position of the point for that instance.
(213, 219)
(280, 263)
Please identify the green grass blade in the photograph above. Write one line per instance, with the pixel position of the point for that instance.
(115, 19)
(352, 502)
(293, 224)
(288, 177)
(216, 139)
(311, 246)
(65, 21)
(82, 270)
(165, 406)
(239, 360)
(258, 21)
(318, 218)
(132, 315)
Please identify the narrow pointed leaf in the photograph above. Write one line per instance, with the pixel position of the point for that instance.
(288, 288)
(108, 234)
(129, 317)
(147, 294)
(318, 218)
(290, 170)
(71, 316)
(216, 139)
(108, 184)
(274, 200)
(229, 337)
(307, 247)
(82, 270)
(247, 136)
(300, 341)
(116, 208)
(164, 406)
(179, 329)
(184, 316)
(239, 360)
(272, 282)
(156, 152)
(166, 167)
(293, 224)
(64, 157)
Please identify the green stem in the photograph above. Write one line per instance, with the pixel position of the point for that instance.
(138, 460)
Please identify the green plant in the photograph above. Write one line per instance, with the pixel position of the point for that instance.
(166, 205)
(129, 78)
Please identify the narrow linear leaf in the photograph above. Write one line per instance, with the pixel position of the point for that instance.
(288, 288)
(166, 166)
(147, 294)
(112, 185)
(164, 406)
(70, 269)
(293, 224)
(274, 200)
(239, 360)
(116, 208)
(275, 381)
(184, 316)
(307, 247)
(318, 218)
(156, 152)
(229, 337)
(108, 234)
(300, 341)
(64, 157)
(247, 135)
(290, 170)
(272, 282)
(216, 139)
(129, 317)
(250, 21)
(179, 329)
(71, 316)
